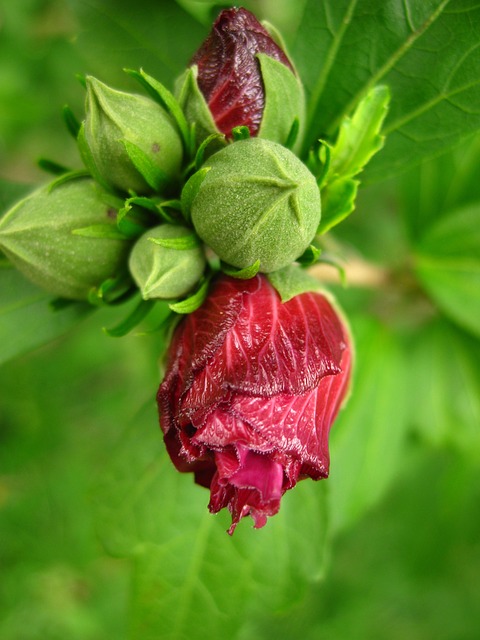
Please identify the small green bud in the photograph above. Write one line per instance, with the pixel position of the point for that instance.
(40, 237)
(131, 140)
(257, 201)
(167, 261)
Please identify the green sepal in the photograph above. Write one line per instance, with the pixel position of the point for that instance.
(318, 160)
(168, 101)
(293, 134)
(190, 190)
(182, 243)
(73, 125)
(193, 302)
(334, 262)
(241, 132)
(50, 166)
(200, 155)
(87, 158)
(101, 231)
(130, 222)
(67, 177)
(163, 211)
(243, 274)
(194, 105)
(359, 137)
(338, 202)
(291, 281)
(284, 101)
(310, 256)
(142, 309)
(111, 291)
(154, 176)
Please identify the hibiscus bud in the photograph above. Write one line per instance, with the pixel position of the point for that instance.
(64, 238)
(241, 77)
(251, 390)
(167, 261)
(131, 140)
(258, 201)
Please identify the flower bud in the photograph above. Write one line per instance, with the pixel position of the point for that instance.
(39, 236)
(166, 262)
(241, 77)
(251, 390)
(257, 201)
(131, 140)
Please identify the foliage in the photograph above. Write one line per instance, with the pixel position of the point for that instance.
(77, 454)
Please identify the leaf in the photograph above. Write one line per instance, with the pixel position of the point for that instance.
(359, 138)
(190, 304)
(426, 52)
(181, 243)
(243, 274)
(368, 438)
(140, 311)
(447, 262)
(27, 319)
(338, 202)
(101, 230)
(187, 569)
(446, 387)
(152, 173)
(118, 34)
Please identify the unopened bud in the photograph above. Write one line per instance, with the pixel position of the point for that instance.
(46, 237)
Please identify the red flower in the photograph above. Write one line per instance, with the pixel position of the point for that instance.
(229, 73)
(251, 390)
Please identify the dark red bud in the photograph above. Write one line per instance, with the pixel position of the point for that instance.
(252, 388)
(229, 73)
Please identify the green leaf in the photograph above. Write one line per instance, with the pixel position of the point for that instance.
(190, 190)
(119, 34)
(446, 387)
(182, 243)
(73, 125)
(243, 274)
(447, 262)
(187, 568)
(152, 173)
(338, 202)
(291, 281)
(101, 231)
(132, 320)
(310, 256)
(427, 54)
(368, 438)
(50, 166)
(190, 304)
(27, 319)
(359, 137)
(240, 133)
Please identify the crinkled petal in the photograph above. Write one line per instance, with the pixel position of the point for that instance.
(248, 483)
(229, 72)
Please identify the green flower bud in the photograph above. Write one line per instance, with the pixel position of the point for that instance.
(167, 261)
(129, 142)
(257, 201)
(64, 238)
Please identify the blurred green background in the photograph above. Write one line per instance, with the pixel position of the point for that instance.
(400, 545)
